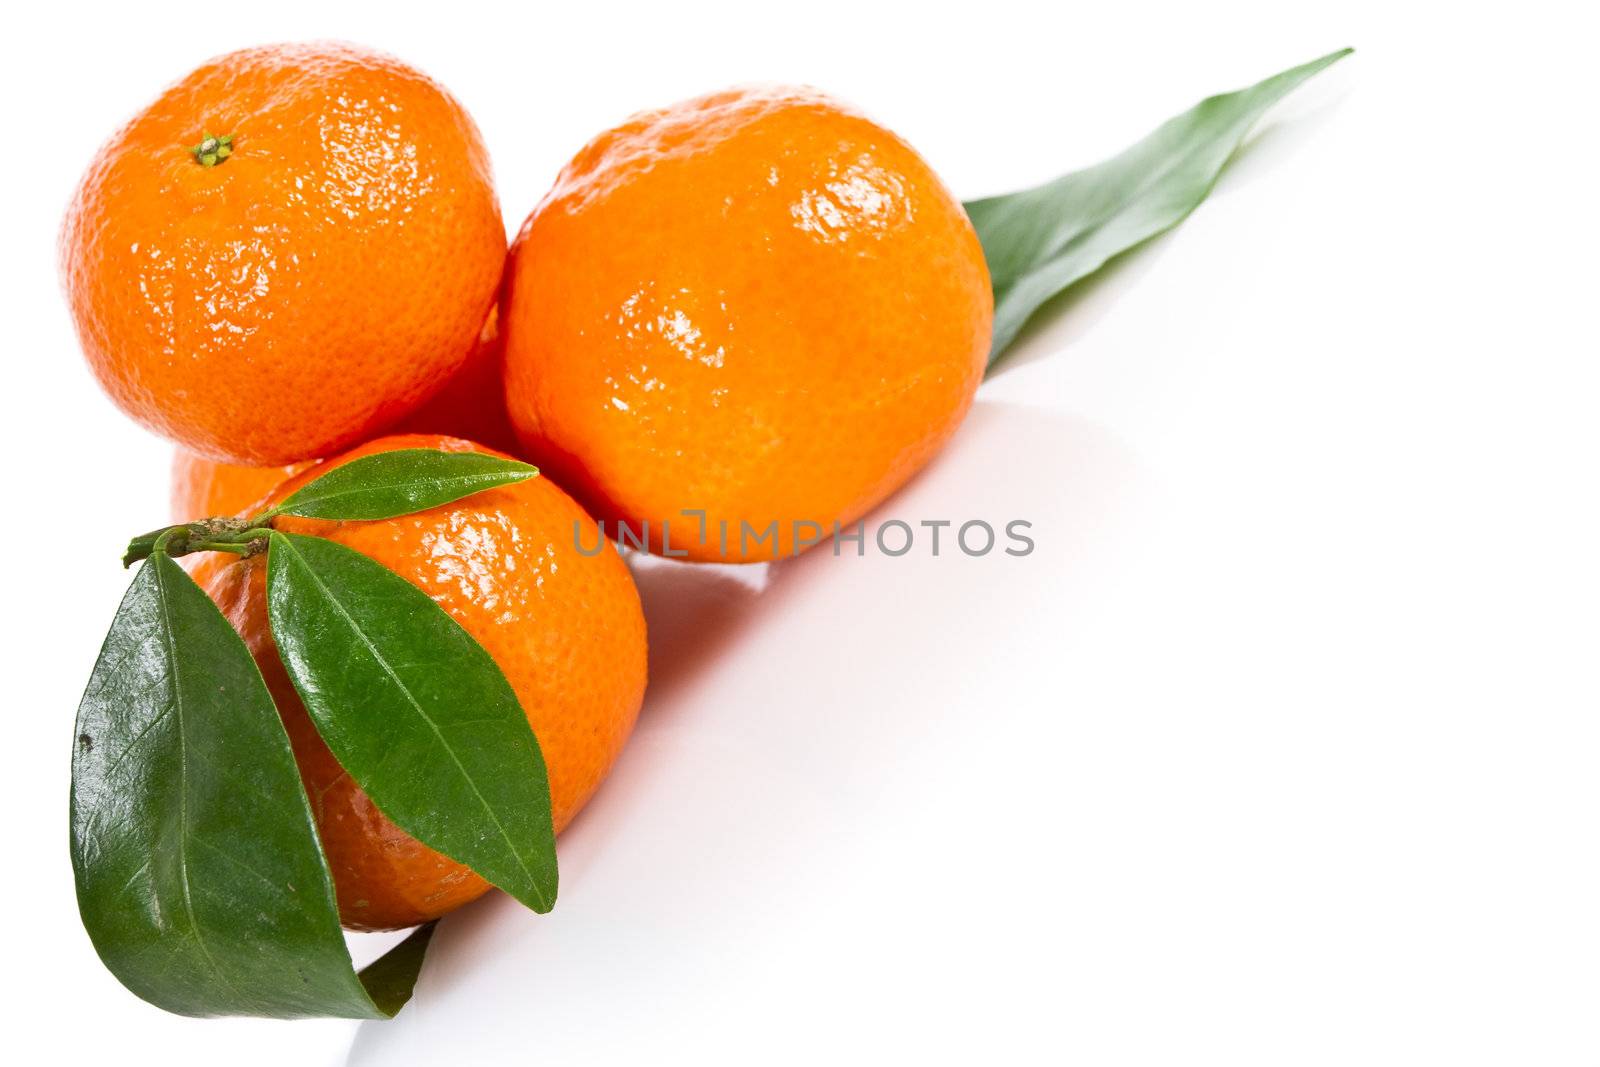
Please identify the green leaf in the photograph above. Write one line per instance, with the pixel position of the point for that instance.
(1040, 241)
(390, 979)
(387, 484)
(416, 711)
(200, 878)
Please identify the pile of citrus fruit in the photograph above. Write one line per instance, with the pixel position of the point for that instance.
(756, 304)
(756, 310)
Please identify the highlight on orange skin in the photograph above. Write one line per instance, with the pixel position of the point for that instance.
(758, 304)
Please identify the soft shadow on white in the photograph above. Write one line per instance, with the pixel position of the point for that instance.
(790, 821)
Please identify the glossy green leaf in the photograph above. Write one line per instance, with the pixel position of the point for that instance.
(1040, 241)
(200, 878)
(416, 711)
(387, 484)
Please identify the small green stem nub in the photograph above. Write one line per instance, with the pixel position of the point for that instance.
(212, 150)
(240, 536)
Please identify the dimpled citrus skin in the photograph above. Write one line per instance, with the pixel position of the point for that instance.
(471, 405)
(567, 630)
(757, 303)
(312, 288)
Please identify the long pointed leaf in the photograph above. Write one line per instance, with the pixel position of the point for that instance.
(387, 484)
(416, 711)
(1040, 241)
(200, 878)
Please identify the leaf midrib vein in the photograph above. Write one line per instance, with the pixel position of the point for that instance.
(183, 783)
(421, 713)
(1151, 179)
(463, 481)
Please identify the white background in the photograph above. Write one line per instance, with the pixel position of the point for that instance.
(1281, 749)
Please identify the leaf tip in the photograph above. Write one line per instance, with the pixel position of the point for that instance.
(1334, 56)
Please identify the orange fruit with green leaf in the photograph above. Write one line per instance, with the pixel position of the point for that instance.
(564, 626)
(754, 311)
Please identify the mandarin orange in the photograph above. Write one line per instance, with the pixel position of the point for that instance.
(757, 304)
(565, 626)
(289, 250)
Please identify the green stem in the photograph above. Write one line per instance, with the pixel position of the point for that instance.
(142, 546)
(241, 537)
